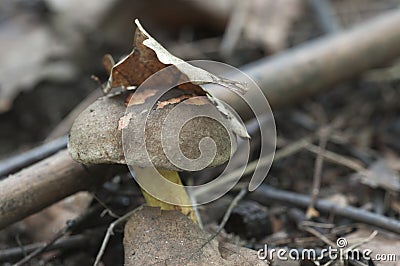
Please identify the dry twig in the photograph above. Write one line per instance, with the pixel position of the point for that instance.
(323, 139)
(17, 162)
(47, 182)
(265, 194)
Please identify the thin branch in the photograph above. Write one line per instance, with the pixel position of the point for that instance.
(225, 219)
(228, 212)
(366, 240)
(234, 28)
(47, 182)
(290, 149)
(285, 78)
(44, 247)
(193, 202)
(71, 242)
(319, 235)
(265, 194)
(338, 158)
(19, 161)
(110, 232)
(323, 139)
(67, 229)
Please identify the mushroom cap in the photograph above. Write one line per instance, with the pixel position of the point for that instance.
(103, 130)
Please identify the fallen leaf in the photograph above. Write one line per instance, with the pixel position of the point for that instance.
(108, 62)
(380, 174)
(179, 242)
(43, 225)
(148, 57)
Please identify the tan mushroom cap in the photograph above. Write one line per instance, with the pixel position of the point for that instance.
(96, 135)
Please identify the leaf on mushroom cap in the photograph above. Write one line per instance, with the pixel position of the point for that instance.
(148, 57)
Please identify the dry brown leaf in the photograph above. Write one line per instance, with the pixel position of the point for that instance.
(380, 174)
(155, 237)
(140, 64)
(43, 225)
(148, 57)
(108, 62)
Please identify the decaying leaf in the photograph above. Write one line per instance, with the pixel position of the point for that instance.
(148, 57)
(179, 242)
(108, 62)
(43, 225)
(380, 174)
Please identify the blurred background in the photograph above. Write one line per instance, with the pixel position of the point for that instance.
(49, 49)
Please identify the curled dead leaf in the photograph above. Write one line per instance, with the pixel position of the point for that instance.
(148, 57)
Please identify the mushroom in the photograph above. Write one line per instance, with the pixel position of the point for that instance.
(106, 132)
(157, 131)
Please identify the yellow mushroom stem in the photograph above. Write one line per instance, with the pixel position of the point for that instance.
(179, 193)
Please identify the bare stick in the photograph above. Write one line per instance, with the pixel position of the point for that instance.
(319, 235)
(234, 28)
(19, 161)
(338, 158)
(43, 248)
(71, 242)
(228, 212)
(110, 232)
(70, 226)
(225, 219)
(290, 149)
(45, 183)
(307, 69)
(323, 139)
(265, 194)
